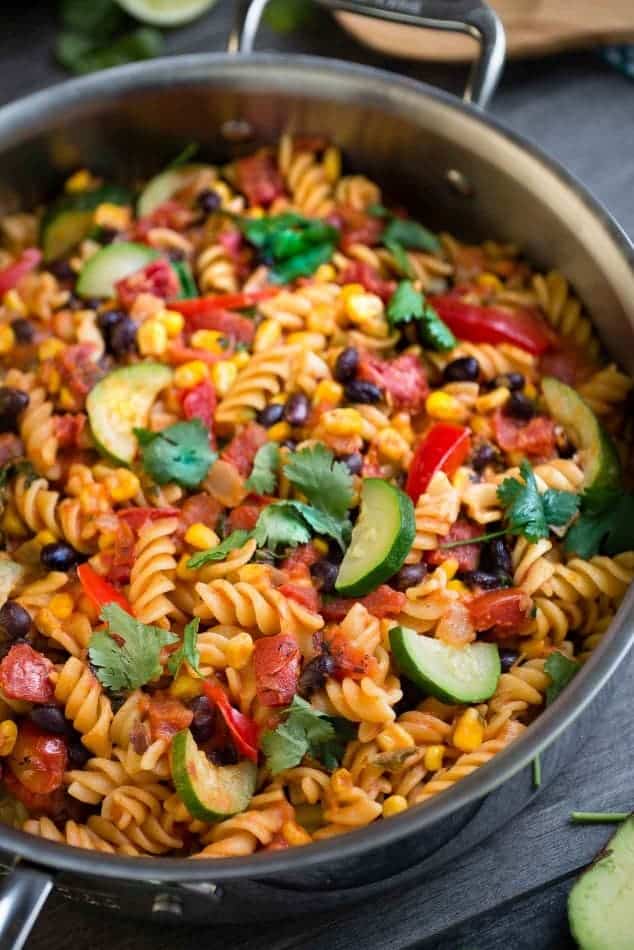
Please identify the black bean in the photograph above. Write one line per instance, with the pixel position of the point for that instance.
(496, 557)
(297, 409)
(481, 579)
(12, 403)
(78, 754)
(208, 201)
(59, 556)
(485, 454)
(353, 462)
(23, 330)
(409, 576)
(61, 269)
(508, 658)
(361, 390)
(566, 449)
(325, 574)
(107, 235)
(107, 319)
(202, 725)
(15, 621)
(346, 365)
(271, 414)
(315, 674)
(50, 718)
(512, 381)
(466, 369)
(519, 406)
(176, 254)
(123, 336)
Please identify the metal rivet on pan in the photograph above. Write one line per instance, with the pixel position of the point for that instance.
(237, 130)
(459, 182)
(168, 905)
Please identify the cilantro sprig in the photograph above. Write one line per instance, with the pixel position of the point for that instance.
(234, 540)
(605, 522)
(402, 233)
(326, 483)
(289, 523)
(126, 654)
(407, 304)
(188, 651)
(263, 477)
(561, 670)
(180, 453)
(296, 245)
(305, 731)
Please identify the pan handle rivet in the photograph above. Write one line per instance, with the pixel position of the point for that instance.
(459, 182)
(168, 905)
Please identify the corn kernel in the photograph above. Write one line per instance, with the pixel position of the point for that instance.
(489, 281)
(450, 567)
(8, 736)
(200, 536)
(328, 391)
(115, 217)
(294, 834)
(394, 737)
(7, 339)
(186, 687)
(255, 212)
(172, 320)
(433, 757)
(392, 446)
(81, 180)
(67, 399)
(493, 400)
(61, 606)
(190, 374)
(223, 375)
(325, 274)
(45, 537)
(529, 391)
(182, 571)
(267, 335)
(458, 586)
(445, 407)
(351, 290)
(469, 732)
(394, 805)
(239, 650)
(321, 546)
(363, 307)
(152, 338)
(332, 164)
(123, 485)
(280, 432)
(341, 783)
(49, 349)
(13, 302)
(240, 359)
(211, 340)
(342, 422)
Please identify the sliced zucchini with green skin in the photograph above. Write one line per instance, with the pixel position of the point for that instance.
(111, 264)
(601, 904)
(10, 574)
(120, 402)
(598, 455)
(467, 674)
(69, 220)
(381, 538)
(161, 188)
(210, 792)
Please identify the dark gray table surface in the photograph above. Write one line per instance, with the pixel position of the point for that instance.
(511, 891)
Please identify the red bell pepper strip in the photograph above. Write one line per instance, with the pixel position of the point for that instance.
(136, 517)
(444, 447)
(27, 262)
(99, 590)
(243, 730)
(523, 327)
(198, 306)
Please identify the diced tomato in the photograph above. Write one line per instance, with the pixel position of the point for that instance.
(24, 674)
(521, 327)
(137, 517)
(157, 278)
(11, 447)
(120, 559)
(359, 272)
(215, 303)
(506, 611)
(26, 262)
(200, 508)
(258, 177)
(99, 591)
(382, 602)
(243, 447)
(199, 402)
(349, 661)
(171, 214)
(357, 227)
(244, 517)
(470, 260)
(403, 378)
(567, 363)
(68, 429)
(536, 437)
(302, 594)
(51, 803)
(235, 327)
(178, 353)
(78, 368)
(167, 716)
(304, 556)
(231, 240)
(444, 448)
(277, 662)
(244, 731)
(467, 555)
(39, 759)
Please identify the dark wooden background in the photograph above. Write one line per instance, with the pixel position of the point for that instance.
(511, 891)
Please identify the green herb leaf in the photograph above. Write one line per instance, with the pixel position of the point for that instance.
(302, 265)
(79, 53)
(606, 521)
(378, 211)
(530, 513)
(326, 483)
(126, 656)
(323, 523)
(188, 651)
(263, 477)
(400, 258)
(234, 540)
(284, 16)
(280, 525)
(98, 18)
(191, 149)
(298, 245)
(598, 817)
(305, 731)
(408, 304)
(537, 771)
(180, 453)
(411, 234)
(561, 670)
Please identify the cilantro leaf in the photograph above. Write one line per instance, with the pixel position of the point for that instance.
(126, 655)
(408, 304)
(280, 525)
(80, 53)
(180, 453)
(561, 670)
(530, 513)
(559, 506)
(234, 540)
(411, 234)
(400, 258)
(323, 523)
(305, 731)
(326, 483)
(263, 475)
(296, 245)
(188, 650)
(606, 521)
(302, 265)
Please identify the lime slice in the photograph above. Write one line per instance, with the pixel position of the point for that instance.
(165, 12)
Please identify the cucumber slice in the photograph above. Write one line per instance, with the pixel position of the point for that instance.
(101, 272)
(210, 792)
(68, 220)
(120, 402)
(454, 675)
(161, 188)
(381, 538)
(601, 904)
(599, 458)
(185, 279)
(10, 574)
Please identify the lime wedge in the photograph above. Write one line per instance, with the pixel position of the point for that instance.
(165, 12)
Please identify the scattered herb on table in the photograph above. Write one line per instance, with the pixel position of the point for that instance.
(598, 817)
(98, 35)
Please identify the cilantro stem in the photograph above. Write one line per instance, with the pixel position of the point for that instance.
(598, 817)
(482, 537)
(537, 772)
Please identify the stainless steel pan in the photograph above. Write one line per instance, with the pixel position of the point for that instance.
(461, 169)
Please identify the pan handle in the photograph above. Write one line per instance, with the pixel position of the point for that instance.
(473, 17)
(22, 896)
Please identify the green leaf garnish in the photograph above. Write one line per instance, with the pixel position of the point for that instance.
(606, 521)
(297, 245)
(263, 477)
(191, 149)
(531, 513)
(80, 54)
(561, 670)
(325, 482)
(301, 265)
(305, 731)
(411, 234)
(126, 655)
(180, 453)
(401, 259)
(234, 540)
(408, 304)
(280, 525)
(188, 651)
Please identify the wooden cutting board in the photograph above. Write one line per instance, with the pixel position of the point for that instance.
(532, 27)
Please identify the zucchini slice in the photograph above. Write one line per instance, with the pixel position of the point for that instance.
(210, 792)
(111, 264)
(161, 188)
(69, 220)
